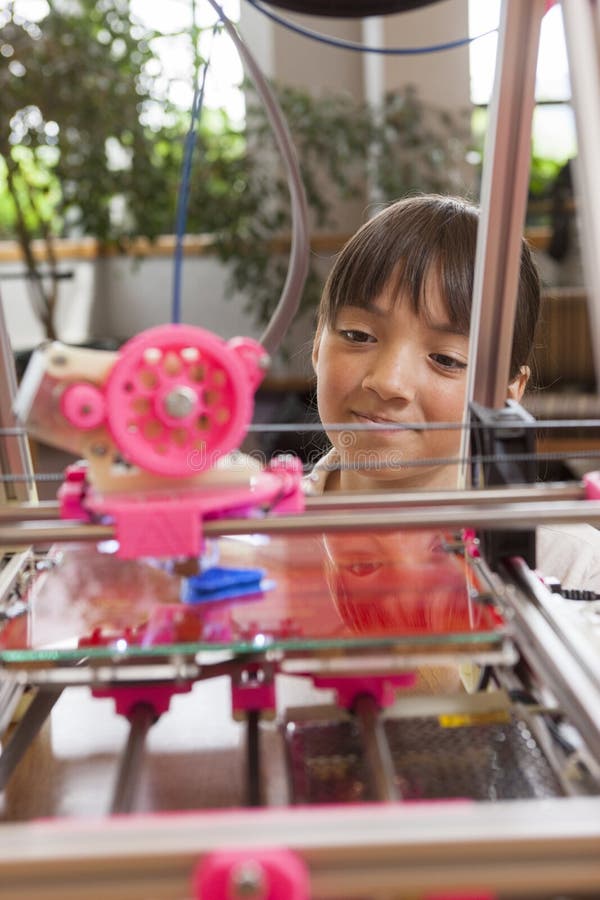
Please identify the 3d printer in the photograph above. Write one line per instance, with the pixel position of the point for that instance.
(161, 572)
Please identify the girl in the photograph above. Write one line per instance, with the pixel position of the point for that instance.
(391, 349)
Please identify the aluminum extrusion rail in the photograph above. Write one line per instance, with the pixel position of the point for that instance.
(520, 516)
(577, 691)
(49, 509)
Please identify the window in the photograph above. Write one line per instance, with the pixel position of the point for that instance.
(174, 23)
(553, 122)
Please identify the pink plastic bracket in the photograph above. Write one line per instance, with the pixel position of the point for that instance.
(170, 524)
(71, 493)
(382, 689)
(158, 696)
(469, 536)
(591, 483)
(253, 693)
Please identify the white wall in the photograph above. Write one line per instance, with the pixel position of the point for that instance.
(117, 297)
(74, 312)
(138, 295)
(442, 78)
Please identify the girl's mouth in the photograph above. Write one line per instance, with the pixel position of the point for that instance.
(381, 421)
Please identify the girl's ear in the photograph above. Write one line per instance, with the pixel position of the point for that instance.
(517, 386)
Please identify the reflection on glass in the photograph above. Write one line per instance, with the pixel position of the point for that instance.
(402, 582)
(353, 590)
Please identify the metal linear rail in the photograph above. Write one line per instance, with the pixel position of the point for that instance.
(11, 573)
(27, 729)
(180, 665)
(577, 691)
(519, 848)
(503, 203)
(494, 517)
(380, 765)
(141, 719)
(49, 510)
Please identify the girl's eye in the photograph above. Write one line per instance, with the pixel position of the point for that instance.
(355, 336)
(448, 362)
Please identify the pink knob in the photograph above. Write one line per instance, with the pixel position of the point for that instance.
(83, 406)
(263, 874)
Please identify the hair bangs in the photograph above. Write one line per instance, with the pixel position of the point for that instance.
(400, 249)
(417, 244)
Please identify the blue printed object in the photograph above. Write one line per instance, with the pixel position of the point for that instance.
(221, 583)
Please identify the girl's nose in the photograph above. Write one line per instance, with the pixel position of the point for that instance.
(392, 375)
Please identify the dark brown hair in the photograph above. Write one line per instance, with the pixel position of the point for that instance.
(408, 242)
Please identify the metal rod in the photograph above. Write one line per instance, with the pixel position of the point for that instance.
(253, 758)
(353, 850)
(26, 730)
(380, 764)
(549, 656)
(503, 203)
(10, 689)
(29, 512)
(398, 500)
(10, 694)
(37, 534)
(374, 427)
(503, 515)
(141, 718)
(511, 515)
(11, 572)
(49, 510)
(67, 675)
(504, 187)
(322, 427)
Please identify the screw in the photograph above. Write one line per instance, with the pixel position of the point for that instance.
(44, 565)
(180, 402)
(248, 880)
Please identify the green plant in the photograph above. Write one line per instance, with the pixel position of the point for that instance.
(73, 90)
(80, 153)
(347, 150)
(422, 147)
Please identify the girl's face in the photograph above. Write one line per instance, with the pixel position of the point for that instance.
(387, 365)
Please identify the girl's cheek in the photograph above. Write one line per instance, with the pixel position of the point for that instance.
(336, 372)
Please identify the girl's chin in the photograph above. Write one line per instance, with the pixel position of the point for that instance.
(354, 476)
(382, 462)
(393, 461)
